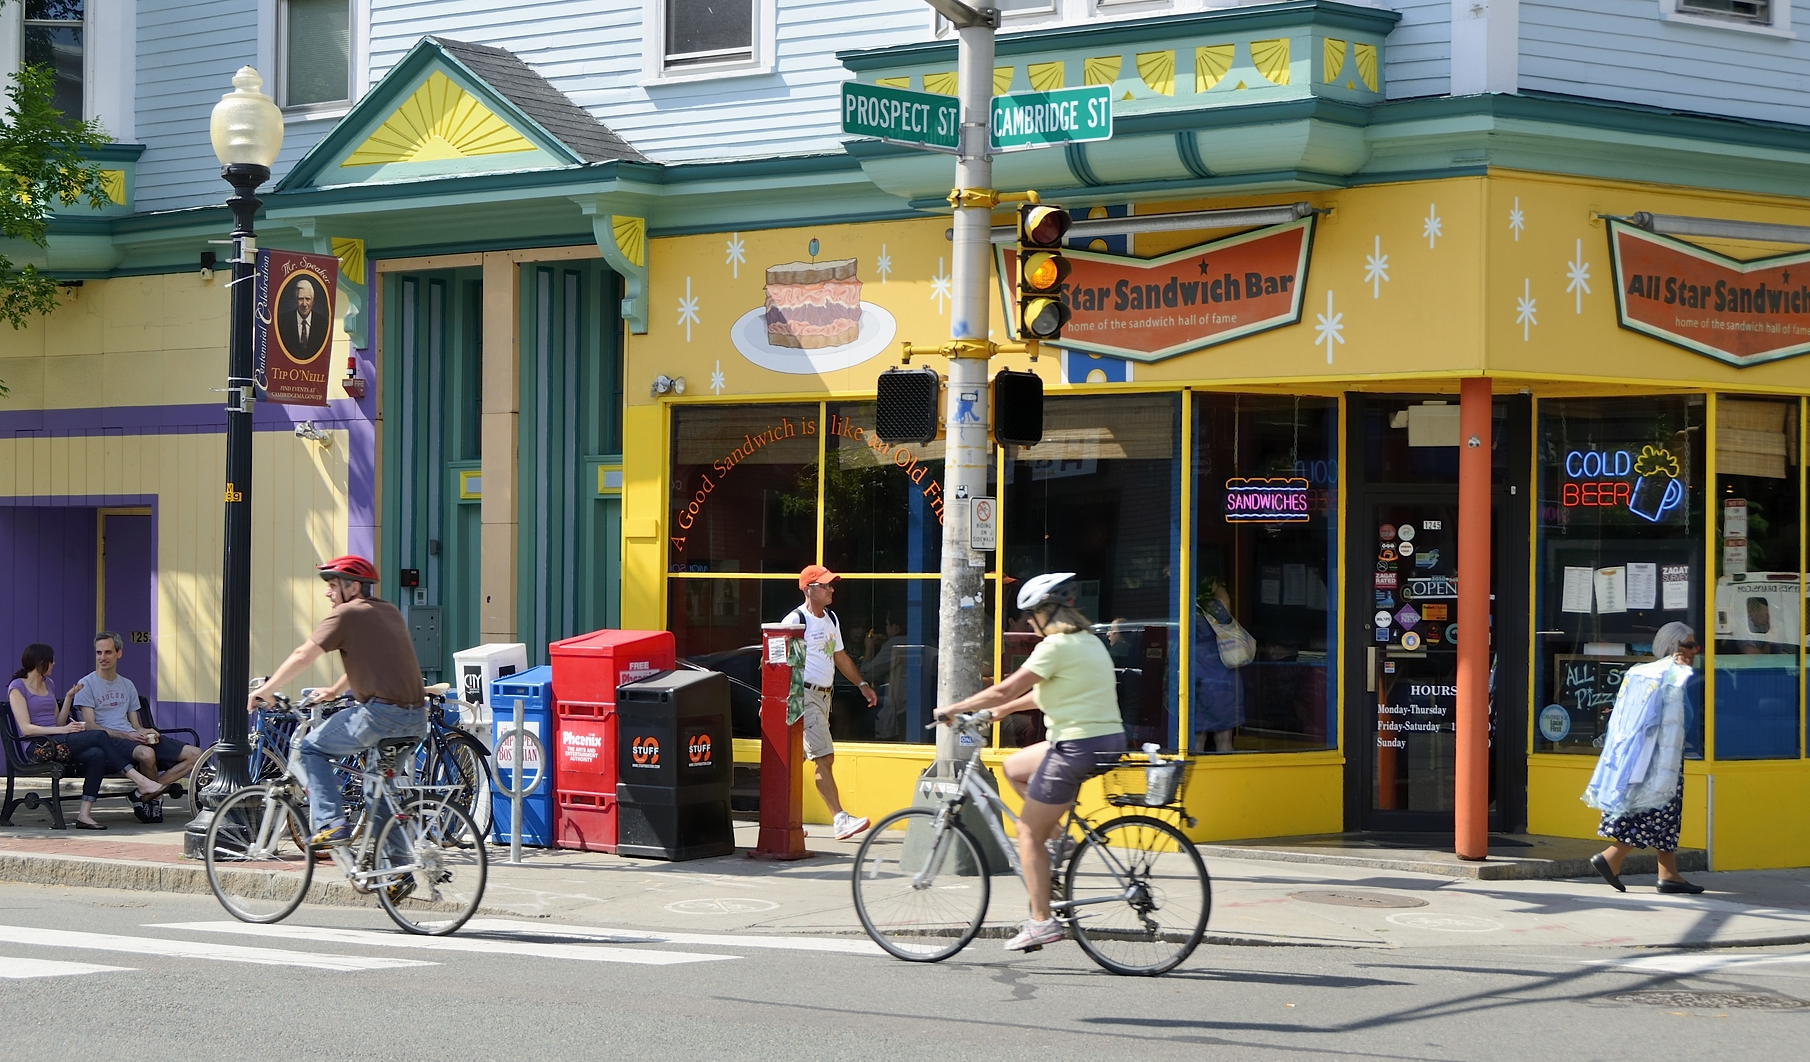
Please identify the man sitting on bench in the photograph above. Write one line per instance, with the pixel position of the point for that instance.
(109, 701)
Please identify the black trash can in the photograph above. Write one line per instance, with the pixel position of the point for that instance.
(675, 763)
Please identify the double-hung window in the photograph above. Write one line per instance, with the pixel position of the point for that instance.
(1758, 12)
(54, 37)
(315, 48)
(704, 33)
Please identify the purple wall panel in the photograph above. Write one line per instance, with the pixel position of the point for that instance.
(47, 564)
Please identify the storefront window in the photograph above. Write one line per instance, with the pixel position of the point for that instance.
(1757, 627)
(744, 489)
(1265, 580)
(1620, 554)
(716, 624)
(1100, 497)
(883, 504)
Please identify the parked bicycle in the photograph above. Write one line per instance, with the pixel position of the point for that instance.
(425, 860)
(450, 757)
(1135, 891)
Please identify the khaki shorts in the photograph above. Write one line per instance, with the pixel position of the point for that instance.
(816, 720)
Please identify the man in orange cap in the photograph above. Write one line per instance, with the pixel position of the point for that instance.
(824, 655)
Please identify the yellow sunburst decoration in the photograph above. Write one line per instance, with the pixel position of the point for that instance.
(1002, 80)
(1158, 71)
(351, 255)
(943, 84)
(1271, 59)
(1045, 76)
(631, 238)
(1366, 64)
(1101, 70)
(1211, 64)
(1332, 52)
(440, 121)
(894, 82)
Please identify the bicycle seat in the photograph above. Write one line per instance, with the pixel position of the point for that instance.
(439, 689)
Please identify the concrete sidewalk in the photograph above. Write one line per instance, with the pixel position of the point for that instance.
(1257, 900)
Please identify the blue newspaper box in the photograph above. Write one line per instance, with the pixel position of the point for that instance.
(533, 690)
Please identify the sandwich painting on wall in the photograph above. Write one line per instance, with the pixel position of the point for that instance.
(813, 320)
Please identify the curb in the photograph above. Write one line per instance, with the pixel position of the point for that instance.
(1496, 868)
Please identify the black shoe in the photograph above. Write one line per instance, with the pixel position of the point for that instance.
(1679, 886)
(1602, 867)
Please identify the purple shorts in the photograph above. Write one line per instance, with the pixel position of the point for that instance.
(1057, 780)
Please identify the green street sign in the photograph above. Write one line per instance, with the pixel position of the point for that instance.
(920, 119)
(1061, 116)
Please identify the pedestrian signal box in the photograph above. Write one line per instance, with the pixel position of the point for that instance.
(1041, 271)
(1018, 408)
(905, 405)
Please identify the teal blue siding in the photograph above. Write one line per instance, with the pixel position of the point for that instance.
(1418, 57)
(1622, 50)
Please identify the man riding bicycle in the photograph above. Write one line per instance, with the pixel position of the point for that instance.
(380, 667)
(1070, 677)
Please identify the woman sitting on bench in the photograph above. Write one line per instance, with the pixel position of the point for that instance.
(48, 736)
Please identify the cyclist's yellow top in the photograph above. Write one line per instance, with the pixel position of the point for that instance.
(1078, 694)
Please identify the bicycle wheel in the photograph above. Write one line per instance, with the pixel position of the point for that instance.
(435, 866)
(920, 895)
(207, 765)
(462, 763)
(1138, 896)
(258, 860)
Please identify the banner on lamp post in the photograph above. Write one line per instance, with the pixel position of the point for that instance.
(294, 330)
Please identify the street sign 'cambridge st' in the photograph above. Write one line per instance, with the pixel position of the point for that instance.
(920, 119)
(1060, 116)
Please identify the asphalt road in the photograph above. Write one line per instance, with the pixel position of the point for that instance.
(88, 973)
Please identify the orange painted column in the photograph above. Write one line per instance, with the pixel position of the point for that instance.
(1471, 801)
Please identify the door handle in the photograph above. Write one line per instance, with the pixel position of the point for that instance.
(1370, 669)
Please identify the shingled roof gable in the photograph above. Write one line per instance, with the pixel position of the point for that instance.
(574, 126)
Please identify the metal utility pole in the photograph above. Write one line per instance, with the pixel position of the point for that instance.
(961, 611)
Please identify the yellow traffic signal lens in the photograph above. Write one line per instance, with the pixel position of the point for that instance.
(1042, 318)
(1042, 271)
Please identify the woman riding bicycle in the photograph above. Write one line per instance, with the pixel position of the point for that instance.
(1070, 677)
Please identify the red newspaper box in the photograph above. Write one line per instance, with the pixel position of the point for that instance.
(586, 671)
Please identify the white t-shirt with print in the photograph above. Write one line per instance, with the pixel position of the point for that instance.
(822, 641)
(110, 700)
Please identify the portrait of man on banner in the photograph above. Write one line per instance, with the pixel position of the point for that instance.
(304, 316)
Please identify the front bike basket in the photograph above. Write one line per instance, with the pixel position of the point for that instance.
(1138, 783)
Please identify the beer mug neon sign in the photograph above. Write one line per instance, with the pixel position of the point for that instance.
(1599, 478)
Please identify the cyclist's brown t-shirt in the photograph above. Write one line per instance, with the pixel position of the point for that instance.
(375, 649)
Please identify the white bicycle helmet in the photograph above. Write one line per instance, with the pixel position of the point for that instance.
(1051, 586)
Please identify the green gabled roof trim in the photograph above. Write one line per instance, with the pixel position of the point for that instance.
(1293, 13)
(395, 87)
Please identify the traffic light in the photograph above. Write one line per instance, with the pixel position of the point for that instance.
(905, 405)
(1018, 408)
(1041, 271)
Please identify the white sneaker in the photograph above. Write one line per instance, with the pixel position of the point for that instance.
(1035, 934)
(848, 825)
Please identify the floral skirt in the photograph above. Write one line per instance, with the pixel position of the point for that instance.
(1656, 828)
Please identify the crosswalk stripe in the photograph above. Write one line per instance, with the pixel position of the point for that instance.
(536, 949)
(14, 968)
(183, 949)
(1694, 963)
(658, 936)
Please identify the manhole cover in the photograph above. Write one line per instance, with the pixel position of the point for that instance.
(1335, 898)
(1711, 1000)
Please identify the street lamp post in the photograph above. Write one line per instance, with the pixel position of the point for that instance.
(247, 131)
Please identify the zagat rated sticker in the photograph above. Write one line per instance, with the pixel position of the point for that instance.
(1385, 580)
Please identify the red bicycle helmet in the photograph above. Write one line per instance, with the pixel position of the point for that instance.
(350, 566)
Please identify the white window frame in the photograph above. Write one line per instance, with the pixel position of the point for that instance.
(1779, 27)
(12, 43)
(653, 48)
(270, 61)
(109, 61)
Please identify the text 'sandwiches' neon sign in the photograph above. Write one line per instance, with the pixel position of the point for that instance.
(1266, 501)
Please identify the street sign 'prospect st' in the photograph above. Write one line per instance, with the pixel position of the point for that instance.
(1061, 116)
(921, 119)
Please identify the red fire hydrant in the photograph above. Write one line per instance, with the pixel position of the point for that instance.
(781, 750)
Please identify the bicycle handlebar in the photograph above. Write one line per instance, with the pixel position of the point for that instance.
(967, 721)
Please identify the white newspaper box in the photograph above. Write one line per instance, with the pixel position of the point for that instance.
(474, 670)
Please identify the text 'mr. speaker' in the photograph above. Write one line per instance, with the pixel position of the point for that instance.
(1018, 407)
(905, 405)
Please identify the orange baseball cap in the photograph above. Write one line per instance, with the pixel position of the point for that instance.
(816, 574)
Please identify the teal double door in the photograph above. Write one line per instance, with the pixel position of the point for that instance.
(566, 453)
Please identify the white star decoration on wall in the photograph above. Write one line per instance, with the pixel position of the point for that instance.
(1376, 269)
(1430, 225)
(940, 290)
(1517, 220)
(1330, 326)
(688, 310)
(883, 264)
(1524, 308)
(1578, 276)
(736, 255)
(716, 379)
